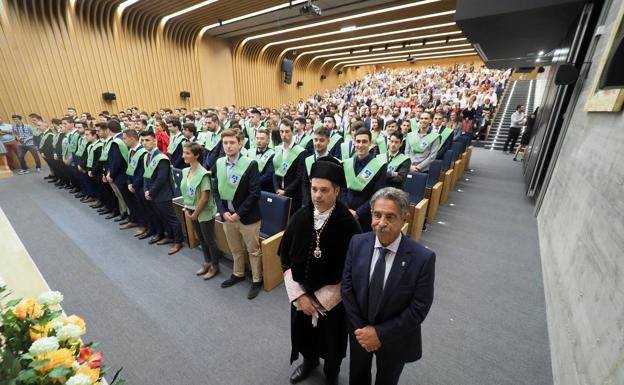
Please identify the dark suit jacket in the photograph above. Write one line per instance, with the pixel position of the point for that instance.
(360, 200)
(266, 176)
(210, 157)
(448, 143)
(137, 180)
(176, 158)
(116, 164)
(159, 186)
(399, 180)
(406, 299)
(292, 180)
(246, 200)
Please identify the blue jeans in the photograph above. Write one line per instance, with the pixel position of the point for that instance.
(21, 153)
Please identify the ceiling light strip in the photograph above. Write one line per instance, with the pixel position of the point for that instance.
(187, 10)
(406, 57)
(354, 28)
(369, 36)
(456, 51)
(345, 18)
(399, 52)
(125, 5)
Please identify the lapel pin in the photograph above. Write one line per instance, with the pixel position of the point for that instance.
(402, 263)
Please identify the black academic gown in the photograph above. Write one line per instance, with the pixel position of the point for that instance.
(328, 339)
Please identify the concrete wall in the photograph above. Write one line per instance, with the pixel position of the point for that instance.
(581, 228)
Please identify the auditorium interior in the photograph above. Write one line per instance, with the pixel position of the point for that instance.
(528, 235)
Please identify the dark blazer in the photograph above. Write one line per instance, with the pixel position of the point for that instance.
(266, 176)
(210, 157)
(360, 200)
(246, 201)
(336, 152)
(137, 179)
(406, 299)
(399, 180)
(448, 143)
(159, 186)
(177, 161)
(116, 164)
(292, 181)
(97, 165)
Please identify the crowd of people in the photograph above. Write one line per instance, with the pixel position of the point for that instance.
(342, 157)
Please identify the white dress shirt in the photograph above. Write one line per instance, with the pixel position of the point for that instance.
(392, 250)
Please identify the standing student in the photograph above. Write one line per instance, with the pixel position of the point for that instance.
(8, 140)
(397, 164)
(348, 146)
(365, 174)
(336, 137)
(287, 161)
(139, 212)
(46, 148)
(176, 139)
(237, 194)
(24, 136)
(518, 119)
(422, 145)
(159, 193)
(446, 134)
(200, 207)
(387, 291)
(212, 141)
(86, 166)
(321, 140)
(304, 136)
(263, 155)
(162, 137)
(116, 160)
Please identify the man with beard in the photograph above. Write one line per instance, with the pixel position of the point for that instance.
(313, 252)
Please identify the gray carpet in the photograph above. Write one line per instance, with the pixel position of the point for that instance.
(165, 326)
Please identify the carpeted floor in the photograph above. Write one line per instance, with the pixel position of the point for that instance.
(165, 326)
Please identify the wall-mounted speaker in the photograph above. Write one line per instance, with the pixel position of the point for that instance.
(323, 77)
(566, 74)
(541, 70)
(108, 96)
(185, 94)
(299, 84)
(339, 72)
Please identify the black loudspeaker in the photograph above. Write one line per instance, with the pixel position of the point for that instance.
(566, 74)
(108, 96)
(299, 84)
(541, 70)
(185, 94)
(339, 72)
(323, 77)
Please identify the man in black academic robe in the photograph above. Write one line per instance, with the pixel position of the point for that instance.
(312, 266)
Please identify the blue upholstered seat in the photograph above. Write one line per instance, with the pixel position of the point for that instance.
(415, 185)
(176, 175)
(434, 173)
(275, 210)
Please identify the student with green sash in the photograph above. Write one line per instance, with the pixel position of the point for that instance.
(397, 163)
(109, 199)
(200, 207)
(314, 117)
(189, 132)
(135, 199)
(116, 155)
(335, 139)
(251, 127)
(321, 140)
(287, 162)
(415, 120)
(47, 150)
(92, 167)
(237, 194)
(422, 146)
(66, 155)
(347, 148)
(212, 143)
(446, 134)
(176, 139)
(263, 155)
(365, 174)
(80, 161)
(57, 154)
(383, 139)
(71, 161)
(223, 119)
(303, 137)
(158, 191)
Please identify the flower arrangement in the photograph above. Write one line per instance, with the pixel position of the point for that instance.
(40, 346)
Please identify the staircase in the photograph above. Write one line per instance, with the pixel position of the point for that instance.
(520, 92)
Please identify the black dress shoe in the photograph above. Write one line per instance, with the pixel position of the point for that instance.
(102, 209)
(48, 177)
(68, 187)
(154, 239)
(75, 190)
(80, 195)
(99, 206)
(254, 290)
(302, 372)
(121, 218)
(111, 215)
(233, 280)
(54, 180)
(59, 183)
(146, 235)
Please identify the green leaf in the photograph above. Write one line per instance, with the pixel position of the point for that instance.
(27, 356)
(13, 302)
(27, 376)
(39, 364)
(59, 372)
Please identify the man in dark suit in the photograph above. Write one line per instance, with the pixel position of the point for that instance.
(237, 194)
(287, 163)
(158, 192)
(134, 172)
(115, 164)
(387, 290)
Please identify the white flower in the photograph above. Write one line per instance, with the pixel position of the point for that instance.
(69, 332)
(57, 324)
(44, 345)
(79, 379)
(50, 298)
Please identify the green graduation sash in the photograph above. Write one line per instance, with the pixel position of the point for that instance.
(82, 146)
(189, 188)
(104, 154)
(414, 125)
(65, 147)
(134, 161)
(305, 140)
(73, 141)
(332, 141)
(122, 148)
(262, 160)
(344, 150)
(317, 125)
(421, 145)
(91, 151)
(396, 161)
(381, 144)
(282, 165)
(47, 134)
(55, 139)
(149, 168)
(360, 181)
(445, 134)
(173, 144)
(228, 185)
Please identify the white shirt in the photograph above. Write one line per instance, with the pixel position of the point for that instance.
(392, 250)
(321, 217)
